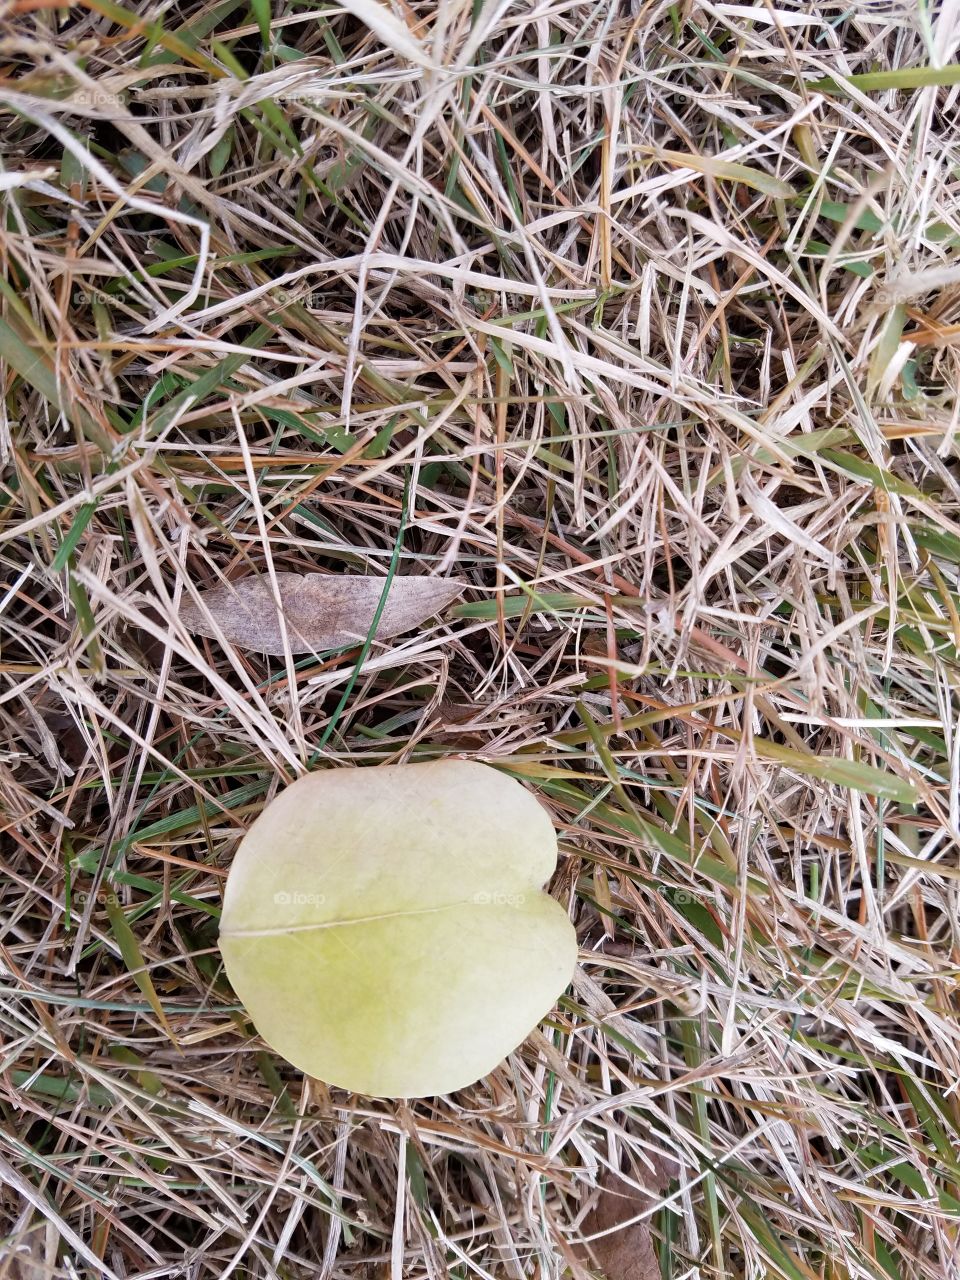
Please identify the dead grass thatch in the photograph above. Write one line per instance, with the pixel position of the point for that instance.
(650, 313)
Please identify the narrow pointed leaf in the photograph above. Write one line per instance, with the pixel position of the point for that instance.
(321, 611)
(133, 959)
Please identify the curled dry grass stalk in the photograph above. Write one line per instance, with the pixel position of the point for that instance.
(654, 313)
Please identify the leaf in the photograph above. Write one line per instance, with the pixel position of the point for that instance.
(386, 928)
(543, 602)
(33, 366)
(896, 78)
(321, 611)
(729, 170)
(261, 12)
(841, 772)
(133, 959)
(220, 153)
(389, 30)
(628, 1253)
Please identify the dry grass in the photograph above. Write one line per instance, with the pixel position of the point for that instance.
(656, 314)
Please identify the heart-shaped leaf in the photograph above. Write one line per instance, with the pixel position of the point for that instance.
(321, 611)
(386, 928)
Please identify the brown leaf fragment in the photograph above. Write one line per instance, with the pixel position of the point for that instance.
(454, 714)
(457, 713)
(322, 611)
(627, 1253)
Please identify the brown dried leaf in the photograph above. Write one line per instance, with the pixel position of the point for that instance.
(454, 714)
(627, 1254)
(321, 611)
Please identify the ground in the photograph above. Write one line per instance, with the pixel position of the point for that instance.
(641, 322)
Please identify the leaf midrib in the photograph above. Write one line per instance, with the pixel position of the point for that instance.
(278, 931)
